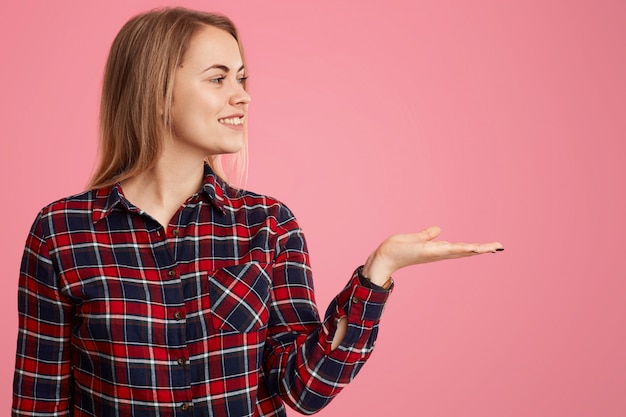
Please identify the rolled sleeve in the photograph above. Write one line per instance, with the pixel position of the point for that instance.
(299, 363)
(363, 308)
(41, 384)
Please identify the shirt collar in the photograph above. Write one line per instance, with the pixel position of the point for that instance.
(214, 188)
(107, 198)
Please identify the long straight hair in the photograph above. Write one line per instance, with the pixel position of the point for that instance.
(136, 101)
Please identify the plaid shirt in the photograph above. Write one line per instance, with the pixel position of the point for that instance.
(213, 316)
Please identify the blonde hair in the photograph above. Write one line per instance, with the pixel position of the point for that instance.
(135, 106)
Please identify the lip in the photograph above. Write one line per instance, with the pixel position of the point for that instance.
(240, 115)
(234, 127)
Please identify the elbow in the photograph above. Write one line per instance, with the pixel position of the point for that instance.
(309, 402)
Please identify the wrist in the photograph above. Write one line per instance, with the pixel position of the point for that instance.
(367, 283)
(376, 271)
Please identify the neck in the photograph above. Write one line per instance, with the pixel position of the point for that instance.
(161, 190)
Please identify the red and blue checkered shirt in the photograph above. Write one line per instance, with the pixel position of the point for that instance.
(213, 316)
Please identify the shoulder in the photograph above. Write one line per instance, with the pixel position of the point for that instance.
(82, 203)
(64, 213)
(239, 201)
(257, 205)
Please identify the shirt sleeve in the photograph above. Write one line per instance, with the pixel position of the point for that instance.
(41, 384)
(299, 364)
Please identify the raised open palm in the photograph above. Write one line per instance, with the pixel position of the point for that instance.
(399, 251)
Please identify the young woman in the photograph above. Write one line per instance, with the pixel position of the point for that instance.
(162, 290)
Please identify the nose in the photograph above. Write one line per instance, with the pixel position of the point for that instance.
(239, 96)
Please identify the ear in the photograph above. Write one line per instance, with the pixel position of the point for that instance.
(163, 115)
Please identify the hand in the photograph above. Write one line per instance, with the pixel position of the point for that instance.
(399, 251)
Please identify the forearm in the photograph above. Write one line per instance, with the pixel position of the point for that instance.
(340, 333)
(42, 367)
(311, 366)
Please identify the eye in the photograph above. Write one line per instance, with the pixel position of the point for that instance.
(217, 80)
(242, 80)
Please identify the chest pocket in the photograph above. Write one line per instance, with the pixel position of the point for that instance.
(239, 296)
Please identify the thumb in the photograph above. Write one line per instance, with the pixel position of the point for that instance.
(429, 233)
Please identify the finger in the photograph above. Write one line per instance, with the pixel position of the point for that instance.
(429, 233)
(487, 247)
(460, 248)
(439, 251)
(425, 235)
(453, 250)
(457, 247)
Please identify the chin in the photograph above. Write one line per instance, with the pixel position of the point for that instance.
(227, 150)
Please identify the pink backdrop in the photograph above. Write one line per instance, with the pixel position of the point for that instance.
(493, 121)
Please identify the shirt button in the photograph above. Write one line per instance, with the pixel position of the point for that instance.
(355, 299)
(181, 361)
(171, 273)
(178, 315)
(185, 406)
(175, 232)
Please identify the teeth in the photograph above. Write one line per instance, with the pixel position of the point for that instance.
(231, 121)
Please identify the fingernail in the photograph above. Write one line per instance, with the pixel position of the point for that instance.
(500, 249)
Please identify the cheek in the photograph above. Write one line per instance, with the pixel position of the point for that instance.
(195, 107)
(210, 104)
(194, 120)
(202, 107)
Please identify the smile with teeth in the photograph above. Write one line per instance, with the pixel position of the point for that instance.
(231, 121)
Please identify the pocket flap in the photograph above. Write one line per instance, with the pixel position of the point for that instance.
(239, 296)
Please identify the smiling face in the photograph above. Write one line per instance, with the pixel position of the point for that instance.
(209, 101)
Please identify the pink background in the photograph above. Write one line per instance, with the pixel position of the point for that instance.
(495, 121)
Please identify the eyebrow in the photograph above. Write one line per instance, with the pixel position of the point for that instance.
(221, 67)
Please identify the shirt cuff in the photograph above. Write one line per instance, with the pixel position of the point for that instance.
(362, 307)
(362, 300)
(366, 282)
